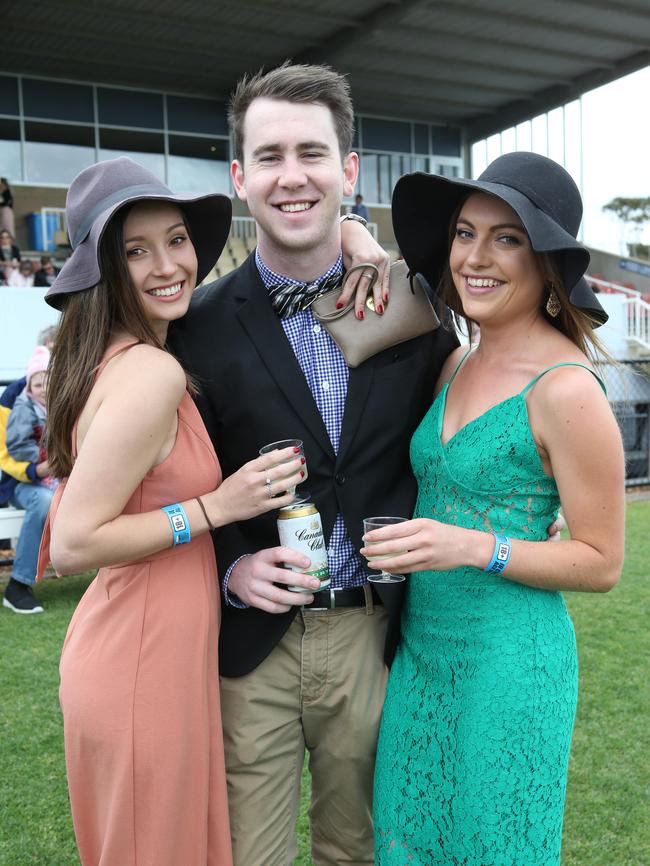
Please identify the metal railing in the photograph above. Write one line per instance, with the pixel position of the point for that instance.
(638, 311)
(628, 392)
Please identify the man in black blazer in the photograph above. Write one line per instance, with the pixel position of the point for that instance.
(301, 670)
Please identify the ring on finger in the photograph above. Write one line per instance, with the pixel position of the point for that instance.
(268, 486)
(368, 275)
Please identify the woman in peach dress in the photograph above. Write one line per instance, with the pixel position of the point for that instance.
(139, 682)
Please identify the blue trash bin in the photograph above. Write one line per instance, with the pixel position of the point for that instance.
(38, 241)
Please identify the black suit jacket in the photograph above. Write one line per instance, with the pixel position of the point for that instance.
(252, 391)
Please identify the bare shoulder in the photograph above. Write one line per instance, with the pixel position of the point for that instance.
(569, 409)
(145, 366)
(142, 380)
(568, 386)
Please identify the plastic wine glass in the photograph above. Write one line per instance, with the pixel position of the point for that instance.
(369, 524)
(290, 443)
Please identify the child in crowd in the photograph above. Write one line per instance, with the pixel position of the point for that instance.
(25, 443)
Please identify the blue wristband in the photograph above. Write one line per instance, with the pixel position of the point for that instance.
(501, 555)
(179, 523)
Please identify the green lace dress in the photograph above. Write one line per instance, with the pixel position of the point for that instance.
(476, 729)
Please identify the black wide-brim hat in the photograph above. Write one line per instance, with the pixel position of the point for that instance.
(541, 193)
(100, 191)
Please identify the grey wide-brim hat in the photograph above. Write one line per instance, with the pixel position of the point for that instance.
(541, 193)
(102, 189)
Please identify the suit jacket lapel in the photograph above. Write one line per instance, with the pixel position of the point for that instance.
(355, 403)
(265, 331)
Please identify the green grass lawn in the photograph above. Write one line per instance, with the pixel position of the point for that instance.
(609, 783)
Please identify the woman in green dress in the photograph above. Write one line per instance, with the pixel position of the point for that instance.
(475, 737)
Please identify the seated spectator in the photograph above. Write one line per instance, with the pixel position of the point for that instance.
(6, 207)
(24, 444)
(22, 276)
(47, 273)
(9, 254)
(12, 470)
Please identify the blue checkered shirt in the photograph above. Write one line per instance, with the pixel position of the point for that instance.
(327, 374)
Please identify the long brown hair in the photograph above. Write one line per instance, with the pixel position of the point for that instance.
(574, 323)
(88, 321)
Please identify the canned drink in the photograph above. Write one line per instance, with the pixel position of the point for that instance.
(301, 529)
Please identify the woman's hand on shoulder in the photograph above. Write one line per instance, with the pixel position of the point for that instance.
(359, 247)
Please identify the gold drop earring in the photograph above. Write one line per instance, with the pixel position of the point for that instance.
(553, 305)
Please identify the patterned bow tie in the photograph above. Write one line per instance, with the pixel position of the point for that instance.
(290, 298)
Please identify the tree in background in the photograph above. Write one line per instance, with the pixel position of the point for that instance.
(634, 212)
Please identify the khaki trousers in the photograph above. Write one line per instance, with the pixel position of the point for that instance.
(321, 689)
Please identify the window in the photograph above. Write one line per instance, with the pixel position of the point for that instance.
(447, 169)
(146, 148)
(394, 135)
(381, 171)
(130, 108)
(58, 101)
(186, 114)
(10, 149)
(8, 95)
(198, 164)
(446, 140)
(55, 153)
(421, 137)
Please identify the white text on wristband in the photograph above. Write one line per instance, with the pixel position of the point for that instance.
(179, 523)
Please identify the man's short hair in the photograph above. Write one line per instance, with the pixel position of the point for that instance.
(295, 83)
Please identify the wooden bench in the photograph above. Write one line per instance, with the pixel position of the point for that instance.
(11, 521)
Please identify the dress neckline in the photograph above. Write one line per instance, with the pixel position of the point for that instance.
(522, 394)
(443, 395)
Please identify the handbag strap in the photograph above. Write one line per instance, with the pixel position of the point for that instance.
(338, 314)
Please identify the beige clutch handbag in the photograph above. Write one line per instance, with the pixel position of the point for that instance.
(409, 313)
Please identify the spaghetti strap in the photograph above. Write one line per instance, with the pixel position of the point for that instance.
(565, 364)
(458, 366)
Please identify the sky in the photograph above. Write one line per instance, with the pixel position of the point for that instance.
(615, 147)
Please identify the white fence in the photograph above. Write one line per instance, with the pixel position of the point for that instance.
(637, 312)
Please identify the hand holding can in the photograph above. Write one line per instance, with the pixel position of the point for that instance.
(300, 528)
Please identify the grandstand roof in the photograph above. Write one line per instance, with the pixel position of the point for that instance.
(480, 64)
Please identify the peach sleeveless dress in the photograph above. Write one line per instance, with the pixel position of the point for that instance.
(140, 689)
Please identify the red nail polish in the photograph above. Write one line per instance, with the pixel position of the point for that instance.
(339, 305)
(296, 450)
(385, 298)
(302, 459)
(380, 309)
(360, 315)
(302, 474)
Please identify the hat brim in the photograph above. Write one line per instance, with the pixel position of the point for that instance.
(208, 219)
(422, 208)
